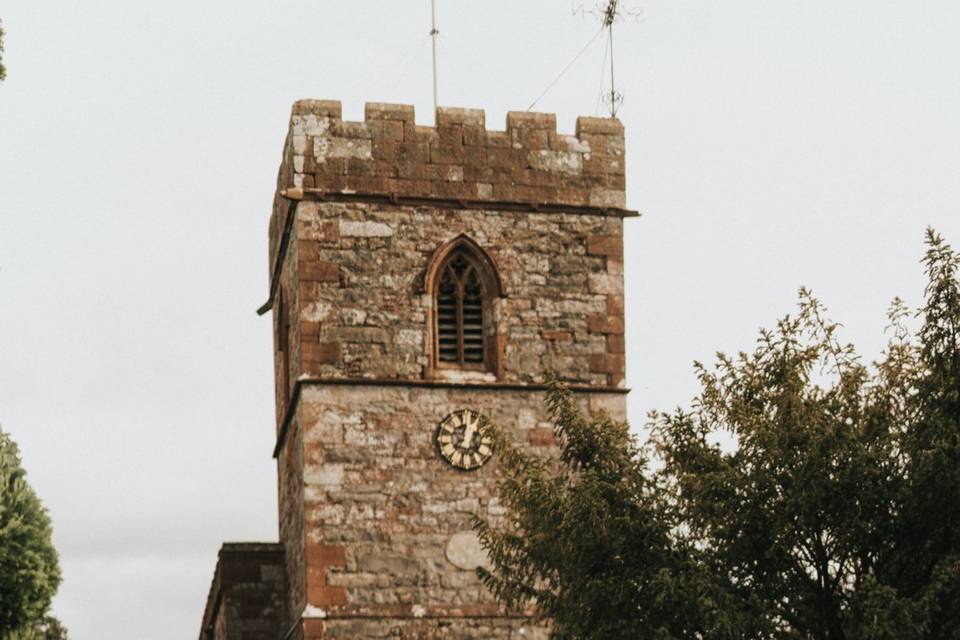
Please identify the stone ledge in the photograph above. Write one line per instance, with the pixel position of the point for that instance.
(303, 381)
(430, 611)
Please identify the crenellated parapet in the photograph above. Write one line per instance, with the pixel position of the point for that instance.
(388, 154)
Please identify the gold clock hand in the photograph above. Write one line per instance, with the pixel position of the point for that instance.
(469, 433)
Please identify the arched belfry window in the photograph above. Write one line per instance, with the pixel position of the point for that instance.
(460, 313)
(464, 283)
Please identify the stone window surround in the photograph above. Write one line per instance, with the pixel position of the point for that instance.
(493, 290)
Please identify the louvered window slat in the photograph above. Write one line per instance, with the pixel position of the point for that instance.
(460, 313)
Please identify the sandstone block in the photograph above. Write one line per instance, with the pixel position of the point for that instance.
(326, 596)
(326, 555)
(319, 271)
(384, 111)
(606, 363)
(542, 437)
(350, 130)
(608, 198)
(451, 134)
(603, 323)
(606, 126)
(329, 108)
(615, 304)
(531, 120)
(615, 344)
(319, 353)
(605, 245)
(454, 115)
(394, 565)
(607, 283)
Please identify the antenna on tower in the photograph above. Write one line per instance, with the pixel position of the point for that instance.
(614, 98)
(433, 35)
(609, 12)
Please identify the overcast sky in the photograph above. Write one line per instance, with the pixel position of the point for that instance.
(769, 145)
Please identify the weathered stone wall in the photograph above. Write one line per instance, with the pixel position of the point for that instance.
(287, 306)
(292, 515)
(363, 310)
(450, 628)
(388, 524)
(247, 599)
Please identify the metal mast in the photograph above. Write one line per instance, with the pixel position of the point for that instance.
(433, 35)
(609, 17)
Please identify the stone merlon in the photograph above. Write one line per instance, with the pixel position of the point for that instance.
(388, 154)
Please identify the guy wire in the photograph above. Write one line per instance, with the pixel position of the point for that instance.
(566, 68)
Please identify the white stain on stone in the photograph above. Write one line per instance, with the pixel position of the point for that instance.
(353, 317)
(409, 337)
(418, 611)
(563, 161)
(324, 475)
(310, 125)
(365, 229)
(484, 190)
(314, 126)
(299, 144)
(316, 311)
(457, 375)
(605, 283)
(311, 611)
(465, 552)
(576, 144)
(324, 148)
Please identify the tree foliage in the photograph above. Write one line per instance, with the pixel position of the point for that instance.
(29, 569)
(3, 70)
(48, 628)
(591, 544)
(831, 512)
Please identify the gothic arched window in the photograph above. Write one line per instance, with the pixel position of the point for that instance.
(464, 282)
(460, 313)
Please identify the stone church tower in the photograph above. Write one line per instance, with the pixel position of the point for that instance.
(421, 281)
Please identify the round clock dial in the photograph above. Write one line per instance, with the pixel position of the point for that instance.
(464, 439)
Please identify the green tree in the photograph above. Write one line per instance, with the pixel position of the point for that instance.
(49, 628)
(3, 70)
(835, 515)
(29, 569)
(592, 544)
(803, 495)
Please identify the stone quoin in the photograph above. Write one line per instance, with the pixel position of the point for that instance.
(419, 277)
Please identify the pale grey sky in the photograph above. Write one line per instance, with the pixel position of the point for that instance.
(769, 144)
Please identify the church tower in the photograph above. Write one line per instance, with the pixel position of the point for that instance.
(422, 280)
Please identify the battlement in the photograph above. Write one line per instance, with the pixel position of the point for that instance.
(459, 159)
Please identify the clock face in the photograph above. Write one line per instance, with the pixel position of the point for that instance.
(464, 439)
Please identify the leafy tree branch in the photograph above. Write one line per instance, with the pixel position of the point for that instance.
(830, 513)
